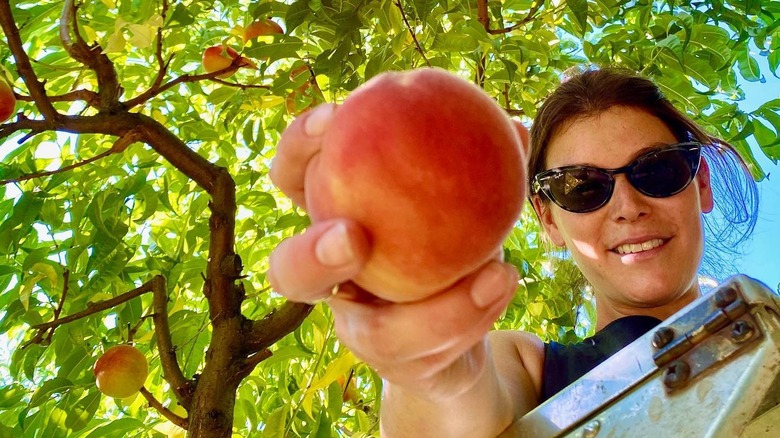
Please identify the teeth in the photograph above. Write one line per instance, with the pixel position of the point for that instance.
(630, 248)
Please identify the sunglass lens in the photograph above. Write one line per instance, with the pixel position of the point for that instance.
(664, 173)
(581, 190)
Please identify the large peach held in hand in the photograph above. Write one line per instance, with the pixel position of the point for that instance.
(7, 101)
(121, 371)
(217, 58)
(431, 167)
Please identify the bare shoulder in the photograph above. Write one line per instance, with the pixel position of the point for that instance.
(519, 358)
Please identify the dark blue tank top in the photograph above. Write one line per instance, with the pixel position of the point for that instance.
(563, 364)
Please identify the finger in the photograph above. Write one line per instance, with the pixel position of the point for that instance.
(305, 267)
(298, 144)
(449, 321)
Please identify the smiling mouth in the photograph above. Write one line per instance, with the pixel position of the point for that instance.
(632, 248)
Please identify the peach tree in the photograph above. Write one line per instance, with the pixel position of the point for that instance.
(136, 207)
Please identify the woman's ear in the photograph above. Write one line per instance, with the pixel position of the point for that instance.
(706, 200)
(544, 213)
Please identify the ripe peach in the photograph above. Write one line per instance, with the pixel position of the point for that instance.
(7, 101)
(216, 58)
(121, 371)
(306, 95)
(291, 101)
(431, 167)
(264, 26)
(349, 392)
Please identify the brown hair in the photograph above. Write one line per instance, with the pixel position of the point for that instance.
(591, 91)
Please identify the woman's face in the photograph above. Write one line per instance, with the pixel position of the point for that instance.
(605, 243)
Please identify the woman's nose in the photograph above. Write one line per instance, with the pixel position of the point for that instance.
(627, 203)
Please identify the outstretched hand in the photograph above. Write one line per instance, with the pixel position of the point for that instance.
(435, 346)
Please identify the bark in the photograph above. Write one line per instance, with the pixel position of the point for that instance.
(237, 344)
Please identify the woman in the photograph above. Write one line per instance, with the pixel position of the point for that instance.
(598, 144)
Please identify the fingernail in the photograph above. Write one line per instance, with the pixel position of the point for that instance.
(333, 249)
(492, 284)
(318, 119)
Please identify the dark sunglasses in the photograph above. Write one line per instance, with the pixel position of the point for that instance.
(658, 174)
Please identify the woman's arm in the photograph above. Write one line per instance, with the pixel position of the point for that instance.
(507, 387)
(442, 371)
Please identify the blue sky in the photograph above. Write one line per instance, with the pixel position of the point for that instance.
(761, 258)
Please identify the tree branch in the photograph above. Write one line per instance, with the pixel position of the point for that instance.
(263, 333)
(120, 124)
(88, 96)
(91, 310)
(155, 91)
(173, 149)
(507, 103)
(119, 146)
(161, 63)
(99, 306)
(411, 32)
(482, 13)
(484, 19)
(167, 413)
(224, 266)
(22, 123)
(528, 18)
(60, 303)
(23, 66)
(131, 331)
(251, 362)
(93, 57)
(182, 387)
(483, 16)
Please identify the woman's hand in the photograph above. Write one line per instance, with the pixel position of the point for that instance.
(433, 348)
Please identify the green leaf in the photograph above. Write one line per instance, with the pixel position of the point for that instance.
(24, 361)
(11, 315)
(580, 10)
(765, 136)
(11, 395)
(455, 41)
(324, 426)
(134, 184)
(335, 399)
(57, 385)
(277, 422)
(108, 268)
(774, 62)
(28, 286)
(422, 8)
(76, 416)
(24, 213)
(748, 67)
(296, 14)
(746, 131)
(119, 428)
(714, 41)
(181, 16)
(287, 47)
